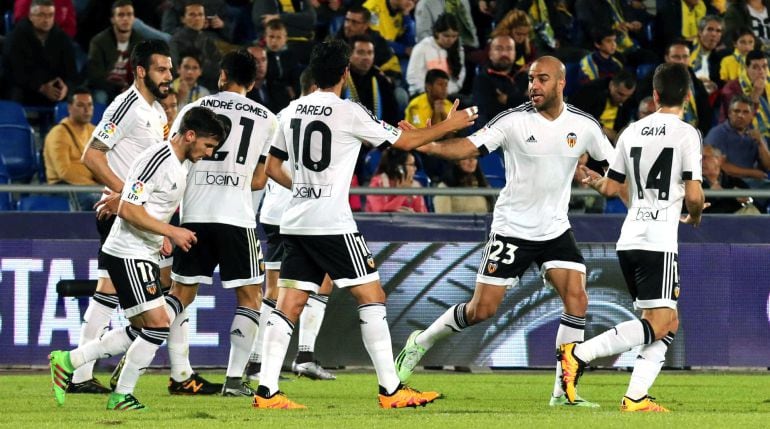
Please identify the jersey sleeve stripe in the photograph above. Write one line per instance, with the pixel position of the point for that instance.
(687, 175)
(614, 175)
(278, 153)
(154, 163)
(121, 111)
(577, 111)
(525, 107)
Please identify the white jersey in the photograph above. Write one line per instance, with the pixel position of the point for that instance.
(219, 188)
(156, 181)
(128, 127)
(656, 154)
(276, 197)
(540, 161)
(320, 135)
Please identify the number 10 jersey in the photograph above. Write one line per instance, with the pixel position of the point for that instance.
(656, 155)
(320, 136)
(219, 187)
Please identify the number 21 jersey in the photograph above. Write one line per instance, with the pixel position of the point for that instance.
(320, 135)
(656, 155)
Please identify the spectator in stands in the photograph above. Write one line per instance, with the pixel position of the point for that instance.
(499, 85)
(744, 148)
(396, 170)
(170, 106)
(299, 17)
(697, 110)
(65, 16)
(272, 96)
(704, 58)
(749, 14)
(357, 24)
(732, 65)
(517, 24)
(40, 59)
(187, 86)
(367, 84)
(646, 107)
(282, 65)
(65, 144)
(553, 23)
(715, 178)
(595, 14)
(441, 51)
(427, 12)
(679, 19)
(601, 63)
(191, 37)
(606, 100)
(465, 173)
(391, 18)
(753, 83)
(431, 107)
(109, 72)
(218, 23)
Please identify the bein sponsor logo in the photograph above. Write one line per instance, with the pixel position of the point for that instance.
(307, 190)
(218, 178)
(651, 215)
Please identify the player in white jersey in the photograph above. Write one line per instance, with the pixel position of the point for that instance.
(155, 184)
(133, 122)
(542, 141)
(659, 160)
(320, 138)
(217, 206)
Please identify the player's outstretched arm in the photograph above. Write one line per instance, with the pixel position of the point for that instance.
(451, 149)
(137, 216)
(259, 178)
(603, 185)
(95, 159)
(413, 138)
(695, 201)
(275, 171)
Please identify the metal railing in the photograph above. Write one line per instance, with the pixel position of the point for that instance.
(576, 192)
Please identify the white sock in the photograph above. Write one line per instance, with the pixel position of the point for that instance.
(95, 323)
(268, 305)
(453, 320)
(621, 338)
(571, 329)
(278, 331)
(113, 343)
(310, 322)
(647, 367)
(243, 331)
(178, 340)
(376, 335)
(139, 356)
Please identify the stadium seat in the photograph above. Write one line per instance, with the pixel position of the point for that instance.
(642, 70)
(615, 205)
(6, 202)
(43, 203)
(8, 21)
(12, 112)
(60, 112)
(371, 161)
(424, 180)
(494, 169)
(573, 78)
(17, 145)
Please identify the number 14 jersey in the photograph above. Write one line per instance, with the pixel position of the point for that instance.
(320, 136)
(656, 154)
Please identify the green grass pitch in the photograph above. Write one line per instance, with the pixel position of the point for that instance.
(498, 400)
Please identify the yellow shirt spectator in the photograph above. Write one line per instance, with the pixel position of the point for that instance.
(389, 26)
(64, 145)
(420, 110)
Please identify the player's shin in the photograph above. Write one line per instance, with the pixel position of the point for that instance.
(278, 331)
(139, 356)
(95, 321)
(376, 336)
(113, 343)
(571, 329)
(647, 366)
(243, 331)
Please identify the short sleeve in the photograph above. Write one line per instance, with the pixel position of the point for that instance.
(118, 120)
(365, 126)
(617, 171)
(599, 146)
(691, 156)
(488, 139)
(277, 146)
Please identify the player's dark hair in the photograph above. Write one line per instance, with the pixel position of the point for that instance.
(120, 3)
(144, 50)
(393, 163)
(672, 83)
(306, 81)
(329, 61)
(240, 67)
(76, 91)
(204, 122)
(434, 74)
(625, 78)
(444, 22)
(756, 54)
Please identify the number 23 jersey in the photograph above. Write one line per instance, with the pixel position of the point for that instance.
(320, 135)
(656, 155)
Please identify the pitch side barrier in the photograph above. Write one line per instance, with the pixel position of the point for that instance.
(426, 264)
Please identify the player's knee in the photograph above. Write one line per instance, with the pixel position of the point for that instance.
(477, 313)
(576, 301)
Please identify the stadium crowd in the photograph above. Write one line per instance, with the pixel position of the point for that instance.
(410, 60)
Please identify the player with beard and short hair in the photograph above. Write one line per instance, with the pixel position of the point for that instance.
(134, 121)
(542, 140)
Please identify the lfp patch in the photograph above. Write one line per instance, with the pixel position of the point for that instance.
(137, 188)
(109, 128)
